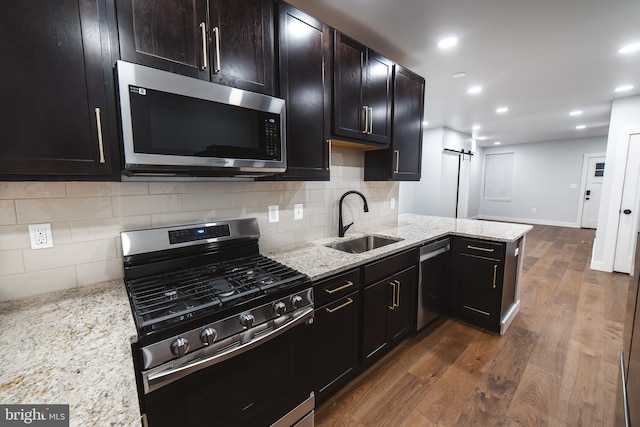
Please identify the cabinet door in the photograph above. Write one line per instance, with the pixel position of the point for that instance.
(403, 312)
(169, 35)
(241, 34)
(379, 74)
(408, 111)
(53, 87)
(305, 70)
(335, 344)
(377, 303)
(477, 290)
(349, 74)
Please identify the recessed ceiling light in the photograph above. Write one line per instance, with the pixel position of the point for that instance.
(575, 113)
(459, 75)
(475, 127)
(448, 42)
(497, 143)
(624, 88)
(481, 138)
(629, 48)
(581, 126)
(425, 123)
(474, 90)
(502, 110)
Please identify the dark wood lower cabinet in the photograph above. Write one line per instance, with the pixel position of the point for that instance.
(388, 313)
(336, 333)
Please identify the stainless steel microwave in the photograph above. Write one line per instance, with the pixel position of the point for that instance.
(177, 126)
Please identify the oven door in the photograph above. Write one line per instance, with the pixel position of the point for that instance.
(257, 387)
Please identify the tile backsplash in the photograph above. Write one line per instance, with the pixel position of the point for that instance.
(87, 218)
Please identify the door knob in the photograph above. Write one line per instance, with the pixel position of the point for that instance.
(626, 211)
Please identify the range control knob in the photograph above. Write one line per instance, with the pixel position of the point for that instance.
(208, 336)
(279, 308)
(180, 346)
(247, 320)
(296, 301)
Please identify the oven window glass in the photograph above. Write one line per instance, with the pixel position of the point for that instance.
(255, 388)
(166, 123)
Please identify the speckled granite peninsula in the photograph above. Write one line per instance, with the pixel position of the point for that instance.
(319, 261)
(71, 347)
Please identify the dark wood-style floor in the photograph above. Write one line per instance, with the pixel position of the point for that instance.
(557, 364)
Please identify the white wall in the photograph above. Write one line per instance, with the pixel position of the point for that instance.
(475, 183)
(87, 218)
(625, 118)
(435, 193)
(543, 173)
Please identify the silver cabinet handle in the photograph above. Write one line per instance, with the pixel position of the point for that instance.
(393, 297)
(495, 272)
(341, 306)
(370, 121)
(329, 164)
(345, 286)
(397, 170)
(366, 119)
(216, 33)
(99, 127)
(397, 301)
(203, 31)
(480, 249)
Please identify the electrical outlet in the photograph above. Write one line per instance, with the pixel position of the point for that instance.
(297, 211)
(40, 236)
(274, 215)
(392, 203)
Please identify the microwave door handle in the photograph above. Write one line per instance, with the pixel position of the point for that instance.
(205, 60)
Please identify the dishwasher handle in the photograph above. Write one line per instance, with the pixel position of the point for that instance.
(434, 249)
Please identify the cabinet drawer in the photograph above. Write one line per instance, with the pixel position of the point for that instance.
(482, 248)
(335, 287)
(378, 270)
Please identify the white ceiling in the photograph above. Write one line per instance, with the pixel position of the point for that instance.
(540, 58)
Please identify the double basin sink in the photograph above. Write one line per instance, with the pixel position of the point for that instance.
(363, 244)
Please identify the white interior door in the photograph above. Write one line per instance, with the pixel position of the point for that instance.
(628, 224)
(593, 188)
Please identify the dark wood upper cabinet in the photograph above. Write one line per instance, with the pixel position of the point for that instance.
(232, 44)
(362, 93)
(305, 83)
(402, 161)
(56, 123)
(242, 46)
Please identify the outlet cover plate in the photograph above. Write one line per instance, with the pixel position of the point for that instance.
(274, 214)
(40, 236)
(297, 211)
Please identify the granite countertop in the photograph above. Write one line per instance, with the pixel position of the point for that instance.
(71, 347)
(318, 261)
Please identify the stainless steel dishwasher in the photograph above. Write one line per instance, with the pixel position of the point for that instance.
(433, 281)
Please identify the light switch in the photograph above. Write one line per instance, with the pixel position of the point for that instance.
(297, 211)
(274, 214)
(392, 203)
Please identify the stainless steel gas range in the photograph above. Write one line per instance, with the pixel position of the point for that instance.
(224, 333)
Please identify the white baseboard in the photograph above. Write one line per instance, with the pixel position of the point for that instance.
(599, 266)
(530, 221)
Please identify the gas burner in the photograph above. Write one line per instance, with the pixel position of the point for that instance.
(270, 280)
(222, 288)
(171, 293)
(181, 306)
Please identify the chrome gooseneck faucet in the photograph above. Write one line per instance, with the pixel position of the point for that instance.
(343, 229)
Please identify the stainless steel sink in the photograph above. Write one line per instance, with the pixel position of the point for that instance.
(363, 244)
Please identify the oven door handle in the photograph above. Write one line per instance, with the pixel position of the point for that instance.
(166, 374)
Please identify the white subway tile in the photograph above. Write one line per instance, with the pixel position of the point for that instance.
(309, 233)
(101, 271)
(61, 232)
(141, 205)
(32, 190)
(11, 262)
(180, 218)
(93, 189)
(200, 202)
(277, 185)
(69, 255)
(14, 237)
(99, 229)
(49, 210)
(260, 199)
(278, 240)
(7, 212)
(39, 282)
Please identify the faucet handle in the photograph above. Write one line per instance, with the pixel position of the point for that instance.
(345, 228)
